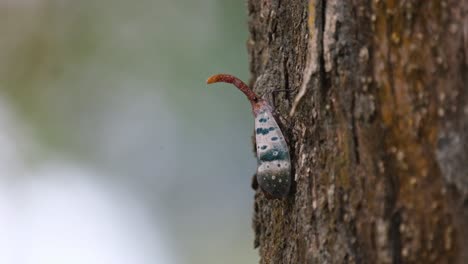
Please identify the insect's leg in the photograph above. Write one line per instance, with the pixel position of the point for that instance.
(281, 90)
(270, 95)
(287, 126)
(254, 183)
(282, 122)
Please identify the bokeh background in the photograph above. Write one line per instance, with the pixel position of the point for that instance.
(112, 147)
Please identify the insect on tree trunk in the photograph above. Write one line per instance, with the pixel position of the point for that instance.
(378, 117)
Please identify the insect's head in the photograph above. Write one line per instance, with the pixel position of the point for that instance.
(261, 106)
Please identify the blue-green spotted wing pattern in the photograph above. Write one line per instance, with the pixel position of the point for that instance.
(274, 163)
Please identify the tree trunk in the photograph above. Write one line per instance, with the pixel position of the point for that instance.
(378, 117)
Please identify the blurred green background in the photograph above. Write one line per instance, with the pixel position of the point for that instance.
(112, 147)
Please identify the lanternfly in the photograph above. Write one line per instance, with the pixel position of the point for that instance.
(274, 162)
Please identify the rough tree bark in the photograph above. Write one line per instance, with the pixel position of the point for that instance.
(379, 117)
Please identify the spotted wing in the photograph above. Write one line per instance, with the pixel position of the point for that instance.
(274, 163)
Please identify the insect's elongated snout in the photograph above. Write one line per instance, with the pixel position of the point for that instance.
(227, 78)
